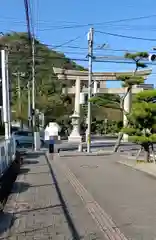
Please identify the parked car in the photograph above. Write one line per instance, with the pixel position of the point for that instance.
(14, 129)
(23, 138)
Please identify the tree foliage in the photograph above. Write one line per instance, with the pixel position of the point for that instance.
(107, 100)
(128, 80)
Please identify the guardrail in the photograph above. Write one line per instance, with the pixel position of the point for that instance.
(7, 154)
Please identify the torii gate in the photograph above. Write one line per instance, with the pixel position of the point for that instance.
(80, 79)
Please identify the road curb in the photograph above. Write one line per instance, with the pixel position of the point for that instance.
(85, 154)
(137, 169)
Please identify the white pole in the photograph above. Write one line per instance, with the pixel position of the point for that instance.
(36, 133)
(90, 55)
(5, 95)
(8, 93)
(29, 106)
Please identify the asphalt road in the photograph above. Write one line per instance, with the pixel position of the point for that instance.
(128, 196)
(106, 144)
(96, 145)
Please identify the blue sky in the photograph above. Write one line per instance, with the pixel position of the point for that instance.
(52, 17)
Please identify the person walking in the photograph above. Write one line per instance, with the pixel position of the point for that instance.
(51, 137)
(51, 146)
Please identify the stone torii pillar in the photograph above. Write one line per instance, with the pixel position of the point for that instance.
(75, 134)
(127, 108)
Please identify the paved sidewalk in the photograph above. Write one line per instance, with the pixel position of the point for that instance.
(43, 205)
(34, 210)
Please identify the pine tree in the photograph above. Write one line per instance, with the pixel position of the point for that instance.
(128, 81)
(142, 121)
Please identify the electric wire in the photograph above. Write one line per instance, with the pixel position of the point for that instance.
(125, 36)
(87, 24)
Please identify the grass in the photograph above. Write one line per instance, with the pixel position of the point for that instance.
(144, 161)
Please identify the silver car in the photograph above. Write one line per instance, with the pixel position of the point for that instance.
(23, 138)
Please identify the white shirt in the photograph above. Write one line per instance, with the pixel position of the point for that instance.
(49, 132)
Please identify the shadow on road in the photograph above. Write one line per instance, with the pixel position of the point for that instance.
(71, 225)
(38, 209)
(34, 155)
(30, 162)
(24, 171)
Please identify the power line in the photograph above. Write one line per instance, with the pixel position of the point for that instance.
(132, 19)
(125, 61)
(64, 46)
(129, 37)
(61, 27)
(77, 25)
(52, 47)
(102, 23)
(96, 50)
(67, 46)
(69, 41)
(134, 27)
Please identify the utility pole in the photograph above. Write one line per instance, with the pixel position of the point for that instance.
(33, 90)
(29, 106)
(36, 133)
(90, 58)
(19, 96)
(33, 82)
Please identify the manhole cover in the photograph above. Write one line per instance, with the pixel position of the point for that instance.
(88, 166)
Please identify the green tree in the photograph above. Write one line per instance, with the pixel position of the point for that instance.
(142, 121)
(128, 81)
